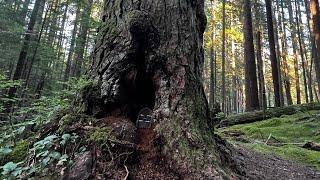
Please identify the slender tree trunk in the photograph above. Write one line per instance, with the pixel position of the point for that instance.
(273, 56)
(314, 8)
(62, 28)
(313, 52)
(295, 52)
(82, 39)
(53, 22)
(72, 44)
(38, 40)
(251, 87)
(262, 90)
(278, 54)
(234, 78)
(24, 10)
(284, 45)
(223, 86)
(302, 49)
(212, 73)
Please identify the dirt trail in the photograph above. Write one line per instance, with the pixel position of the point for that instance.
(269, 167)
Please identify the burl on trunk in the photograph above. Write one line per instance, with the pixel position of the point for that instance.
(149, 54)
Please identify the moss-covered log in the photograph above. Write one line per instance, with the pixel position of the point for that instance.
(250, 117)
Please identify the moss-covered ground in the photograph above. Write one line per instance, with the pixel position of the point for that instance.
(283, 136)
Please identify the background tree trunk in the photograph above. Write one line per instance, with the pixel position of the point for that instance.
(295, 52)
(314, 7)
(82, 39)
(284, 45)
(251, 87)
(22, 61)
(72, 44)
(212, 100)
(223, 86)
(262, 89)
(273, 56)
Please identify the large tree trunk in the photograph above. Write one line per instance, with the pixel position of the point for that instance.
(22, 61)
(150, 55)
(251, 87)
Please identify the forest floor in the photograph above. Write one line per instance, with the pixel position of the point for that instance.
(150, 165)
(273, 148)
(269, 149)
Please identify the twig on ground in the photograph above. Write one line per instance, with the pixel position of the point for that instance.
(268, 139)
(126, 177)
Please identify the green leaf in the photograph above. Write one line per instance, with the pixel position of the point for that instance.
(82, 149)
(5, 150)
(45, 161)
(66, 136)
(43, 153)
(17, 172)
(10, 166)
(63, 159)
(55, 155)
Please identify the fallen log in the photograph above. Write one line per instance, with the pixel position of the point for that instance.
(250, 117)
(312, 146)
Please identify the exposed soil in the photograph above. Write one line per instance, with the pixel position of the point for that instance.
(150, 164)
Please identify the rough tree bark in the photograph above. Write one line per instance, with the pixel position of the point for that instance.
(150, 54)
(251, 85)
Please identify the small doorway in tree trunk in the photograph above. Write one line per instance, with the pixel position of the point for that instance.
(145, 118)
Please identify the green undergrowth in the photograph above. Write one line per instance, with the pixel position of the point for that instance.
(283, 136)
(42, 137)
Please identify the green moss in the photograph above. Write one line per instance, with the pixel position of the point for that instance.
(288, 129)
(291, 152)
(100, 135)
(71, 118)
(18, 153)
